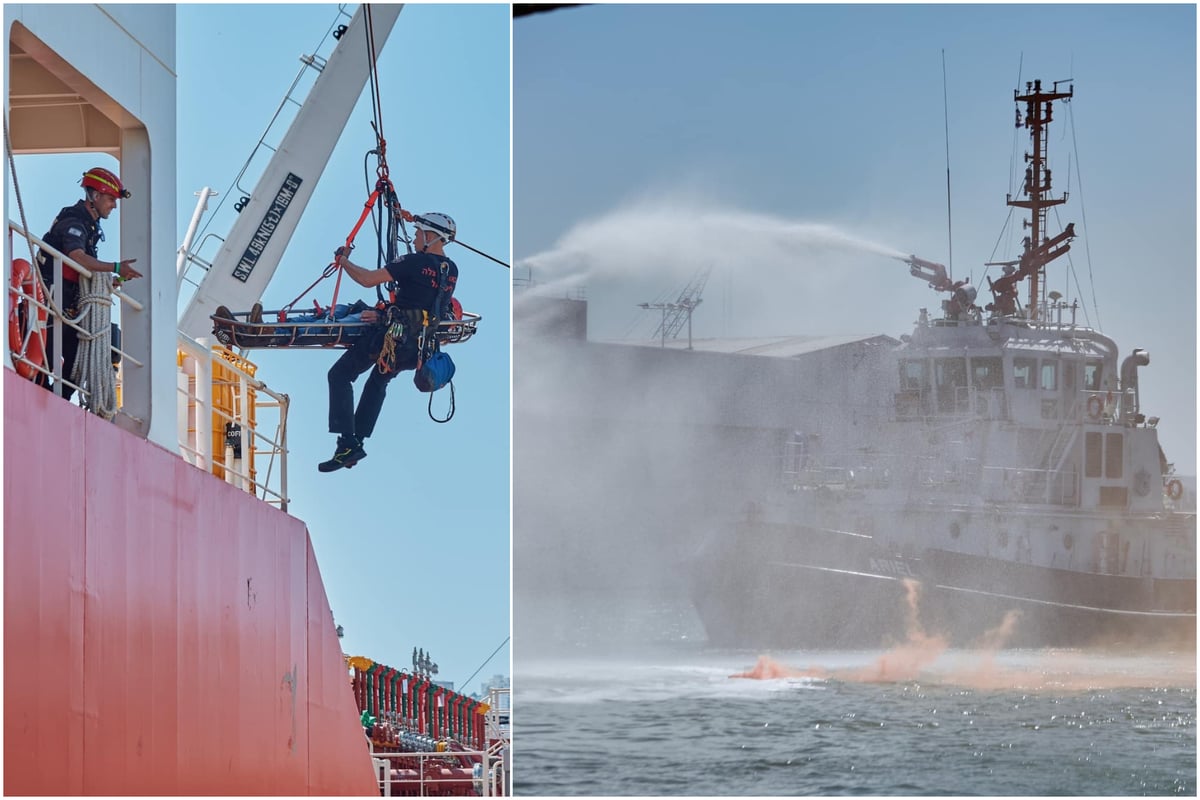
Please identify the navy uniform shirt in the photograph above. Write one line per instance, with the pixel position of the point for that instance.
(73, 229)
(416, 279)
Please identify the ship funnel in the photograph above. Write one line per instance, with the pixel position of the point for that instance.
(1129, 381)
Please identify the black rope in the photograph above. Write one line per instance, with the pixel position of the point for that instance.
(480, 252)
(449, 416)
(485, 661)
(377, 124)
(373, 73)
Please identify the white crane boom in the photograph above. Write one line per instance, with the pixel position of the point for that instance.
(251, 253)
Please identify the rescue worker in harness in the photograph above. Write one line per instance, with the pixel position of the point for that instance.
(76, 233)
(416, 278)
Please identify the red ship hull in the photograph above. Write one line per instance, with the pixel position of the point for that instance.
(164, 632)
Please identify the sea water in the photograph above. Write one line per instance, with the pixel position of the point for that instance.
(631, 728)
(669, 716)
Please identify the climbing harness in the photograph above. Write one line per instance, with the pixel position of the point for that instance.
(435, 369)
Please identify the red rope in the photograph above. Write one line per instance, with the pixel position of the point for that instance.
(350, 244)
(333, 266)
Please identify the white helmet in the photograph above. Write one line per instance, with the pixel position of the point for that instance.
(440, 224)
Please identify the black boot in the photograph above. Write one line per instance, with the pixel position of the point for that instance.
(348, 453)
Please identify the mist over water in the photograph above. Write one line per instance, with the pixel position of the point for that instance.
(617, 479)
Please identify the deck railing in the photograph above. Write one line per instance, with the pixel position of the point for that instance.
(51, 306)
(219, 429)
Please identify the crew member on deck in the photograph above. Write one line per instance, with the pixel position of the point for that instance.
(76, 233)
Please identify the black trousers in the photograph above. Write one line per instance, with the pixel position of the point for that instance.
(70, 339)
(70, 343)
(344, 419)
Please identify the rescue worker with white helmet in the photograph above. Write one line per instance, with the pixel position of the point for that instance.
(415, 278)
(76, 233)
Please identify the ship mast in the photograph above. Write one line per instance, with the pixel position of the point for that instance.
(1038, 251)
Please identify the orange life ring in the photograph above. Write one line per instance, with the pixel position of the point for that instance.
(1174, 489)
(1094, 406)
(23, 285)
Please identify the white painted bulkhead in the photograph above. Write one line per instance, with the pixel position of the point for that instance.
(102, 78)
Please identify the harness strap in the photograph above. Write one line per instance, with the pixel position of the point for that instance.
(428, 342)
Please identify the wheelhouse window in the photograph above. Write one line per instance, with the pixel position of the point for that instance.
(987, 373)
(1023, 372)
(912, 375)
(950, 375)
(1093, 372)
(1048, 377)
(1069, 370)
(913, 398)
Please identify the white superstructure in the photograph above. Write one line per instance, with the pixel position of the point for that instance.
(64, 94)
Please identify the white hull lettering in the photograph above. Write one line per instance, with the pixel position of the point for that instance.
(891, 566)
(266, 229)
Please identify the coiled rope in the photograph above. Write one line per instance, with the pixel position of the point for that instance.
(93, 363)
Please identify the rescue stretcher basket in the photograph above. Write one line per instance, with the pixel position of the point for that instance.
(293, 332)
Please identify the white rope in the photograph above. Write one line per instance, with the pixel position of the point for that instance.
(93, 363)
(12, 165)
(36, 327)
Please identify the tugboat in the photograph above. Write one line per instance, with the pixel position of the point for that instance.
(1007, 483)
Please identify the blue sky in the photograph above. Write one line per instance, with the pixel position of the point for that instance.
(413, 543)
(651, 141)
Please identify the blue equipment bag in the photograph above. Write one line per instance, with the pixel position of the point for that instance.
(435, 373)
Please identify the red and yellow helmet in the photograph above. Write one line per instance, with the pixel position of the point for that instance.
(105, 182)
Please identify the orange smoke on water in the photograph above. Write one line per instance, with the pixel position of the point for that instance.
(901, 663)
(917, 659)
(768, 669)
(905, 661)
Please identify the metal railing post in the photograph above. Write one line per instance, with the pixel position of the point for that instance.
(204, 408)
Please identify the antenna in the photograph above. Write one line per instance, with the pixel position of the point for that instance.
(1038, 250)
(675, 314)
(949, 230)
